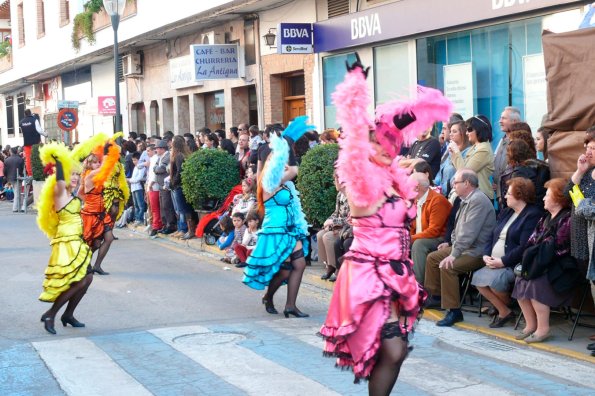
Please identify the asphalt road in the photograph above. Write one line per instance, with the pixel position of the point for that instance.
(168, 321)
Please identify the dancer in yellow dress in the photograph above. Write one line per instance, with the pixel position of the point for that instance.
(68, 274)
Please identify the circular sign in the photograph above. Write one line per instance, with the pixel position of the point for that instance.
(68, 119)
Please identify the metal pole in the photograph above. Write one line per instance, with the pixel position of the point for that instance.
(118, 121)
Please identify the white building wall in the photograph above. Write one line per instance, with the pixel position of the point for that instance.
(55, 47)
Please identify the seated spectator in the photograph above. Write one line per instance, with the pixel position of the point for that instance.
(342, 245)
(7, 192)
(473, 230)
(243, 249)
(537, 294)
(427, 230)
(480, 157)
(329, 136)
(244, 202)
(330, 231)
(458, 135)
(238, 235)
(227, 234)
(139, 175)
(515, 224)
(424, 167)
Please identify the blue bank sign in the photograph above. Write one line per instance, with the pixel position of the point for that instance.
(215, 62)
(295, 38)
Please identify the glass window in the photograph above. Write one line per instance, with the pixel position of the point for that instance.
(495, 56)
(391, 72)
(215, 110)
(333, 72)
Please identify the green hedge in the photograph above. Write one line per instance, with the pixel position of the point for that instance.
(315, 183)
(36, 165)
(209, 175)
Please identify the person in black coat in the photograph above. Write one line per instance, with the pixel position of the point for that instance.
(514, 227)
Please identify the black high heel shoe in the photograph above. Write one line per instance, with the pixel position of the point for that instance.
(99, 271)
(71, 321)
(48, 324)
(295, 312)
(268, 305)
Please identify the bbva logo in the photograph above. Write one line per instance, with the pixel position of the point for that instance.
(365, 26)
(497, 4)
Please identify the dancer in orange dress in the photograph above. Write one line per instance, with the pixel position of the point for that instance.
(97, 223)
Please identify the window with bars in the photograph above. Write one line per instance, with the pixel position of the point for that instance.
(337, 8)
(40, 18)
(10, 116)
(64, 12)
(21, 24)
(20, 107)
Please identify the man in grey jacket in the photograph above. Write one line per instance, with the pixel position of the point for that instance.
(475, 221)
(166, 205)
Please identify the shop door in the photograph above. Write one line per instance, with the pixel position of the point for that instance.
(294, 98)
(295, 108)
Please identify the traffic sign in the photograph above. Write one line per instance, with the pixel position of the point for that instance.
(67, 119)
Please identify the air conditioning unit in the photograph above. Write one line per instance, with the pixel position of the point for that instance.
(132, 65)
(212, 38)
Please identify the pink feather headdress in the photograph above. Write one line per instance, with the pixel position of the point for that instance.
(413, 116)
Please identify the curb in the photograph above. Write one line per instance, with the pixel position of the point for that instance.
(434, 315)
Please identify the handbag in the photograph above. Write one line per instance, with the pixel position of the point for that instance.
(537, 258)
(576, 195)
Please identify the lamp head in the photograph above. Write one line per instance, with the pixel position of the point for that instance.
(114, 7)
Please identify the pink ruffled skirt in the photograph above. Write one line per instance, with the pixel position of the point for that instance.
(361, 305)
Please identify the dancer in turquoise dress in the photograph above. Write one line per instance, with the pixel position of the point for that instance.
(278, 256)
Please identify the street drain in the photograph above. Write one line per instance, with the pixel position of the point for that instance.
(493, 345)
(209, 338)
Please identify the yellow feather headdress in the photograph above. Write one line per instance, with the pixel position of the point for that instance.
(47, 218)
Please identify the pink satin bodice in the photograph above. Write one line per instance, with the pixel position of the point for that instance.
(385, 234)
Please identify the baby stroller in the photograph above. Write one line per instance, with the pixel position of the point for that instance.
(207, 226)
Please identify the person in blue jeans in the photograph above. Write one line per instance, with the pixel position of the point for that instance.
(139, 175)
(186, 217)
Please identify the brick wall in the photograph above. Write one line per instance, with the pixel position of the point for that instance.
(274, 68)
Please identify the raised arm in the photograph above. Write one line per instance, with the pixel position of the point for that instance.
(354, 168)
(274, 171)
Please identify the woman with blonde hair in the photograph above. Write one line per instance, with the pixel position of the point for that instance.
(68, 274)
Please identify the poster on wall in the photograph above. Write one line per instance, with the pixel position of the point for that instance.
(534, 90)
(459, 87)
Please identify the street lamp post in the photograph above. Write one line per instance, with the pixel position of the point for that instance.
(115, 9)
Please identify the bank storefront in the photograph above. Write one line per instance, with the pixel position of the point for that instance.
(483, 54)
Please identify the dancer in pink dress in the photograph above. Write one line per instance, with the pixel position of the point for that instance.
(376, 300)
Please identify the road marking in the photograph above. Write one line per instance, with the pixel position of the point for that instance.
(160, 368)
(81, 368)
(219, 353)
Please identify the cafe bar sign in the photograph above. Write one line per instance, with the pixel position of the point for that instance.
(216, 62)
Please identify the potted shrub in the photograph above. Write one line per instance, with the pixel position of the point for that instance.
(207, 178)
(38, 172)
(316, 185)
